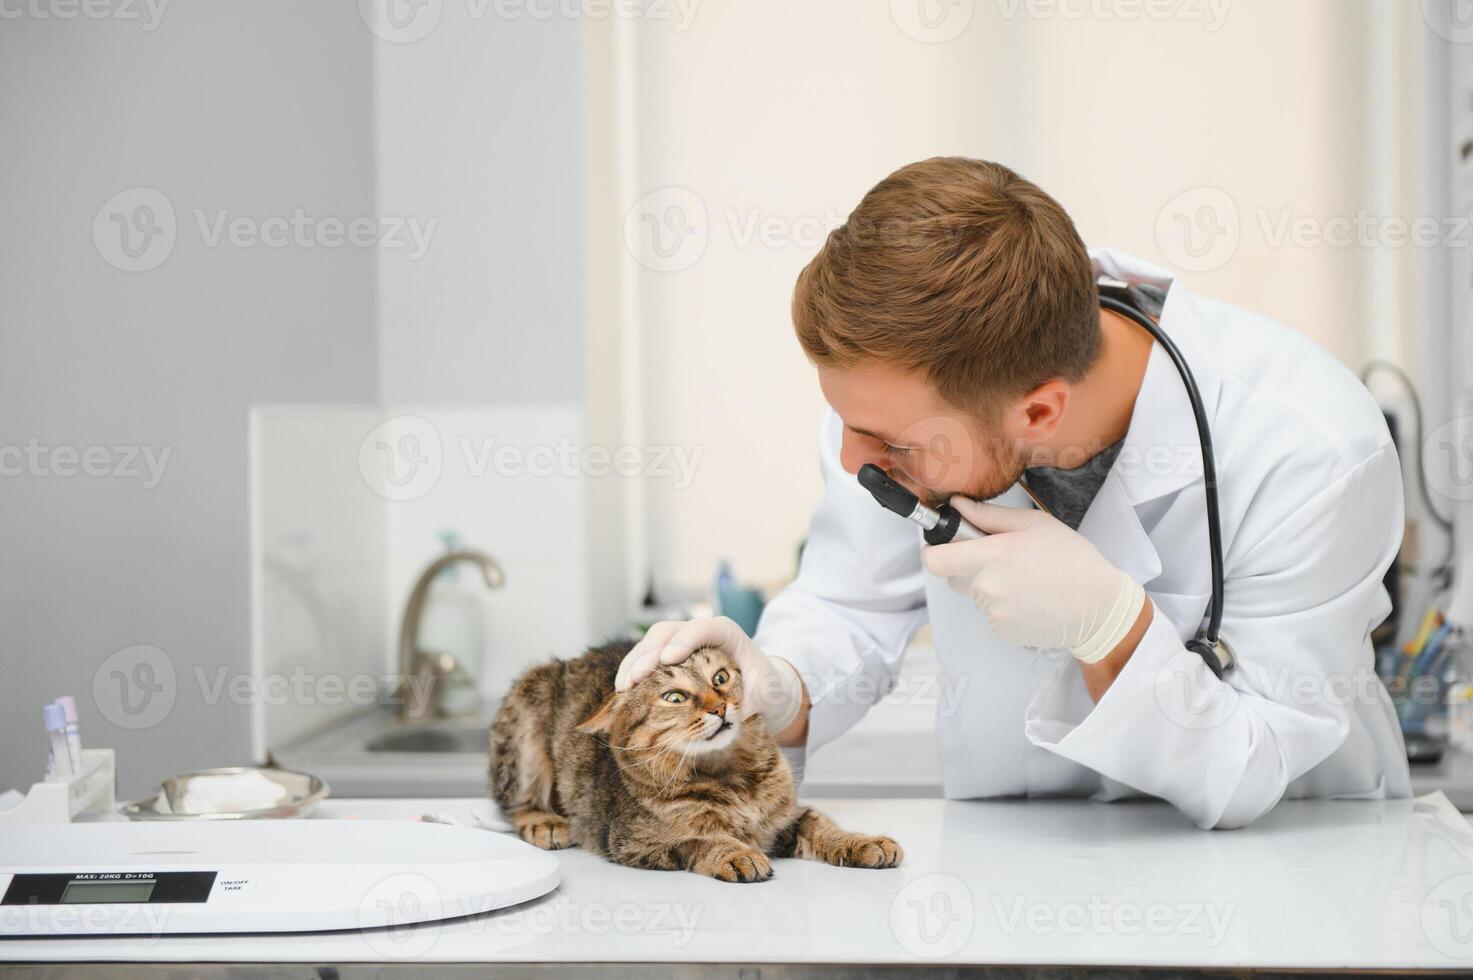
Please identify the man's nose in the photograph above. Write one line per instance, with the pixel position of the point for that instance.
(853, 454)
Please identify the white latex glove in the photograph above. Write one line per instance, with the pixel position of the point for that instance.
(770, 686)
(1039, 583)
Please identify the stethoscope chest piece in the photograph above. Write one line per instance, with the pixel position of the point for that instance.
(1218, 656)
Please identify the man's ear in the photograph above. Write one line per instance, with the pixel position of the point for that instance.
(1043, 409)
(600, 720)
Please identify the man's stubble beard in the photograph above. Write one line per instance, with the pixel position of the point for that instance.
(1008, 464)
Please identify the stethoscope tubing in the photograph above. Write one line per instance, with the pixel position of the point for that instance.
(1209, 459)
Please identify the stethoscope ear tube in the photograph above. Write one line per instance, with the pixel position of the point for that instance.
(1209, 644)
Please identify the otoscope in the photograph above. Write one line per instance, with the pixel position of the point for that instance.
(941, 525)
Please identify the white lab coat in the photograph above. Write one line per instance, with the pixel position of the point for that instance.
(1311, 499)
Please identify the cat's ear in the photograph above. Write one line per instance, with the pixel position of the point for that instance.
(600, 720)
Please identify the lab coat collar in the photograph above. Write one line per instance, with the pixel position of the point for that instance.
(1160, 454)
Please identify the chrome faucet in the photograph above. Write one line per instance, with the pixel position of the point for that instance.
(420, 673)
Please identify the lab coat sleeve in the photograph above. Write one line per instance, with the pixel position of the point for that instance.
(859, 596)
(1301, 602)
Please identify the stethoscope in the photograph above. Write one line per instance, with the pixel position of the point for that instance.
(945, 523)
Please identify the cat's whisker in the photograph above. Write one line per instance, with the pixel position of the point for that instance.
(662, 747)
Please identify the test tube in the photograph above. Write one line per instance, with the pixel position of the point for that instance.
(73, 733)
(61, 757)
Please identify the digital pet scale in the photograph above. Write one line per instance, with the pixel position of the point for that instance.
(257, 876)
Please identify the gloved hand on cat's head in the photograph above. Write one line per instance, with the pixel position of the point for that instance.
(771, 686)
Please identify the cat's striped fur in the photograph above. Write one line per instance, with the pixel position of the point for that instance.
(664, 776)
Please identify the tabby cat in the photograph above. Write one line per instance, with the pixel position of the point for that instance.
(664, 776)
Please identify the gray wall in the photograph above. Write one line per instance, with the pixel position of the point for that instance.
(257, 107)
(479, 128)
(263, 108)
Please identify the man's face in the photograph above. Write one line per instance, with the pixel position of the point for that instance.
(896, 420)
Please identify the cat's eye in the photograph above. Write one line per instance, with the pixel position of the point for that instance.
(674, 697)
(721, 677)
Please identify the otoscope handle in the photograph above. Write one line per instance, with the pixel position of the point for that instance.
(952, 527)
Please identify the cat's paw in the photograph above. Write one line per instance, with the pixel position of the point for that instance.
(860, 851)
(545, 830)
(741, 865)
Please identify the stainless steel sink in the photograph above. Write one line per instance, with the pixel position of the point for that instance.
(372, 755)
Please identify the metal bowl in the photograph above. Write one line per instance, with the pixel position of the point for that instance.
(303, 792)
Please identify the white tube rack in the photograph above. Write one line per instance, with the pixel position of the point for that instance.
(91, 791)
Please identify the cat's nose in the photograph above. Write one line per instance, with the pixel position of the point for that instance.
(719, 711)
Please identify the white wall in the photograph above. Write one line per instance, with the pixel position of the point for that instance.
(787, 113)
(767, 121)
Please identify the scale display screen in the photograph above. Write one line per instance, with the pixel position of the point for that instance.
(91, 892)
(109, 888)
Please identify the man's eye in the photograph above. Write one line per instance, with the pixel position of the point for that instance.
(897, 450)
(674, 697)
(721, 677)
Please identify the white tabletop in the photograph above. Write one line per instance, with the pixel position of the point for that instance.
(1314, 884)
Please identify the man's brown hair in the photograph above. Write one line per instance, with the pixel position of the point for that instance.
(960, 269)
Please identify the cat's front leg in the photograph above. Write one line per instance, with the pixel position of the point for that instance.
(729, 859)
(814, 836)
(723, 857)
(542, 828)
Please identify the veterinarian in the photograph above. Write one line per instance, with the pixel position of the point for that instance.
(956, 326)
